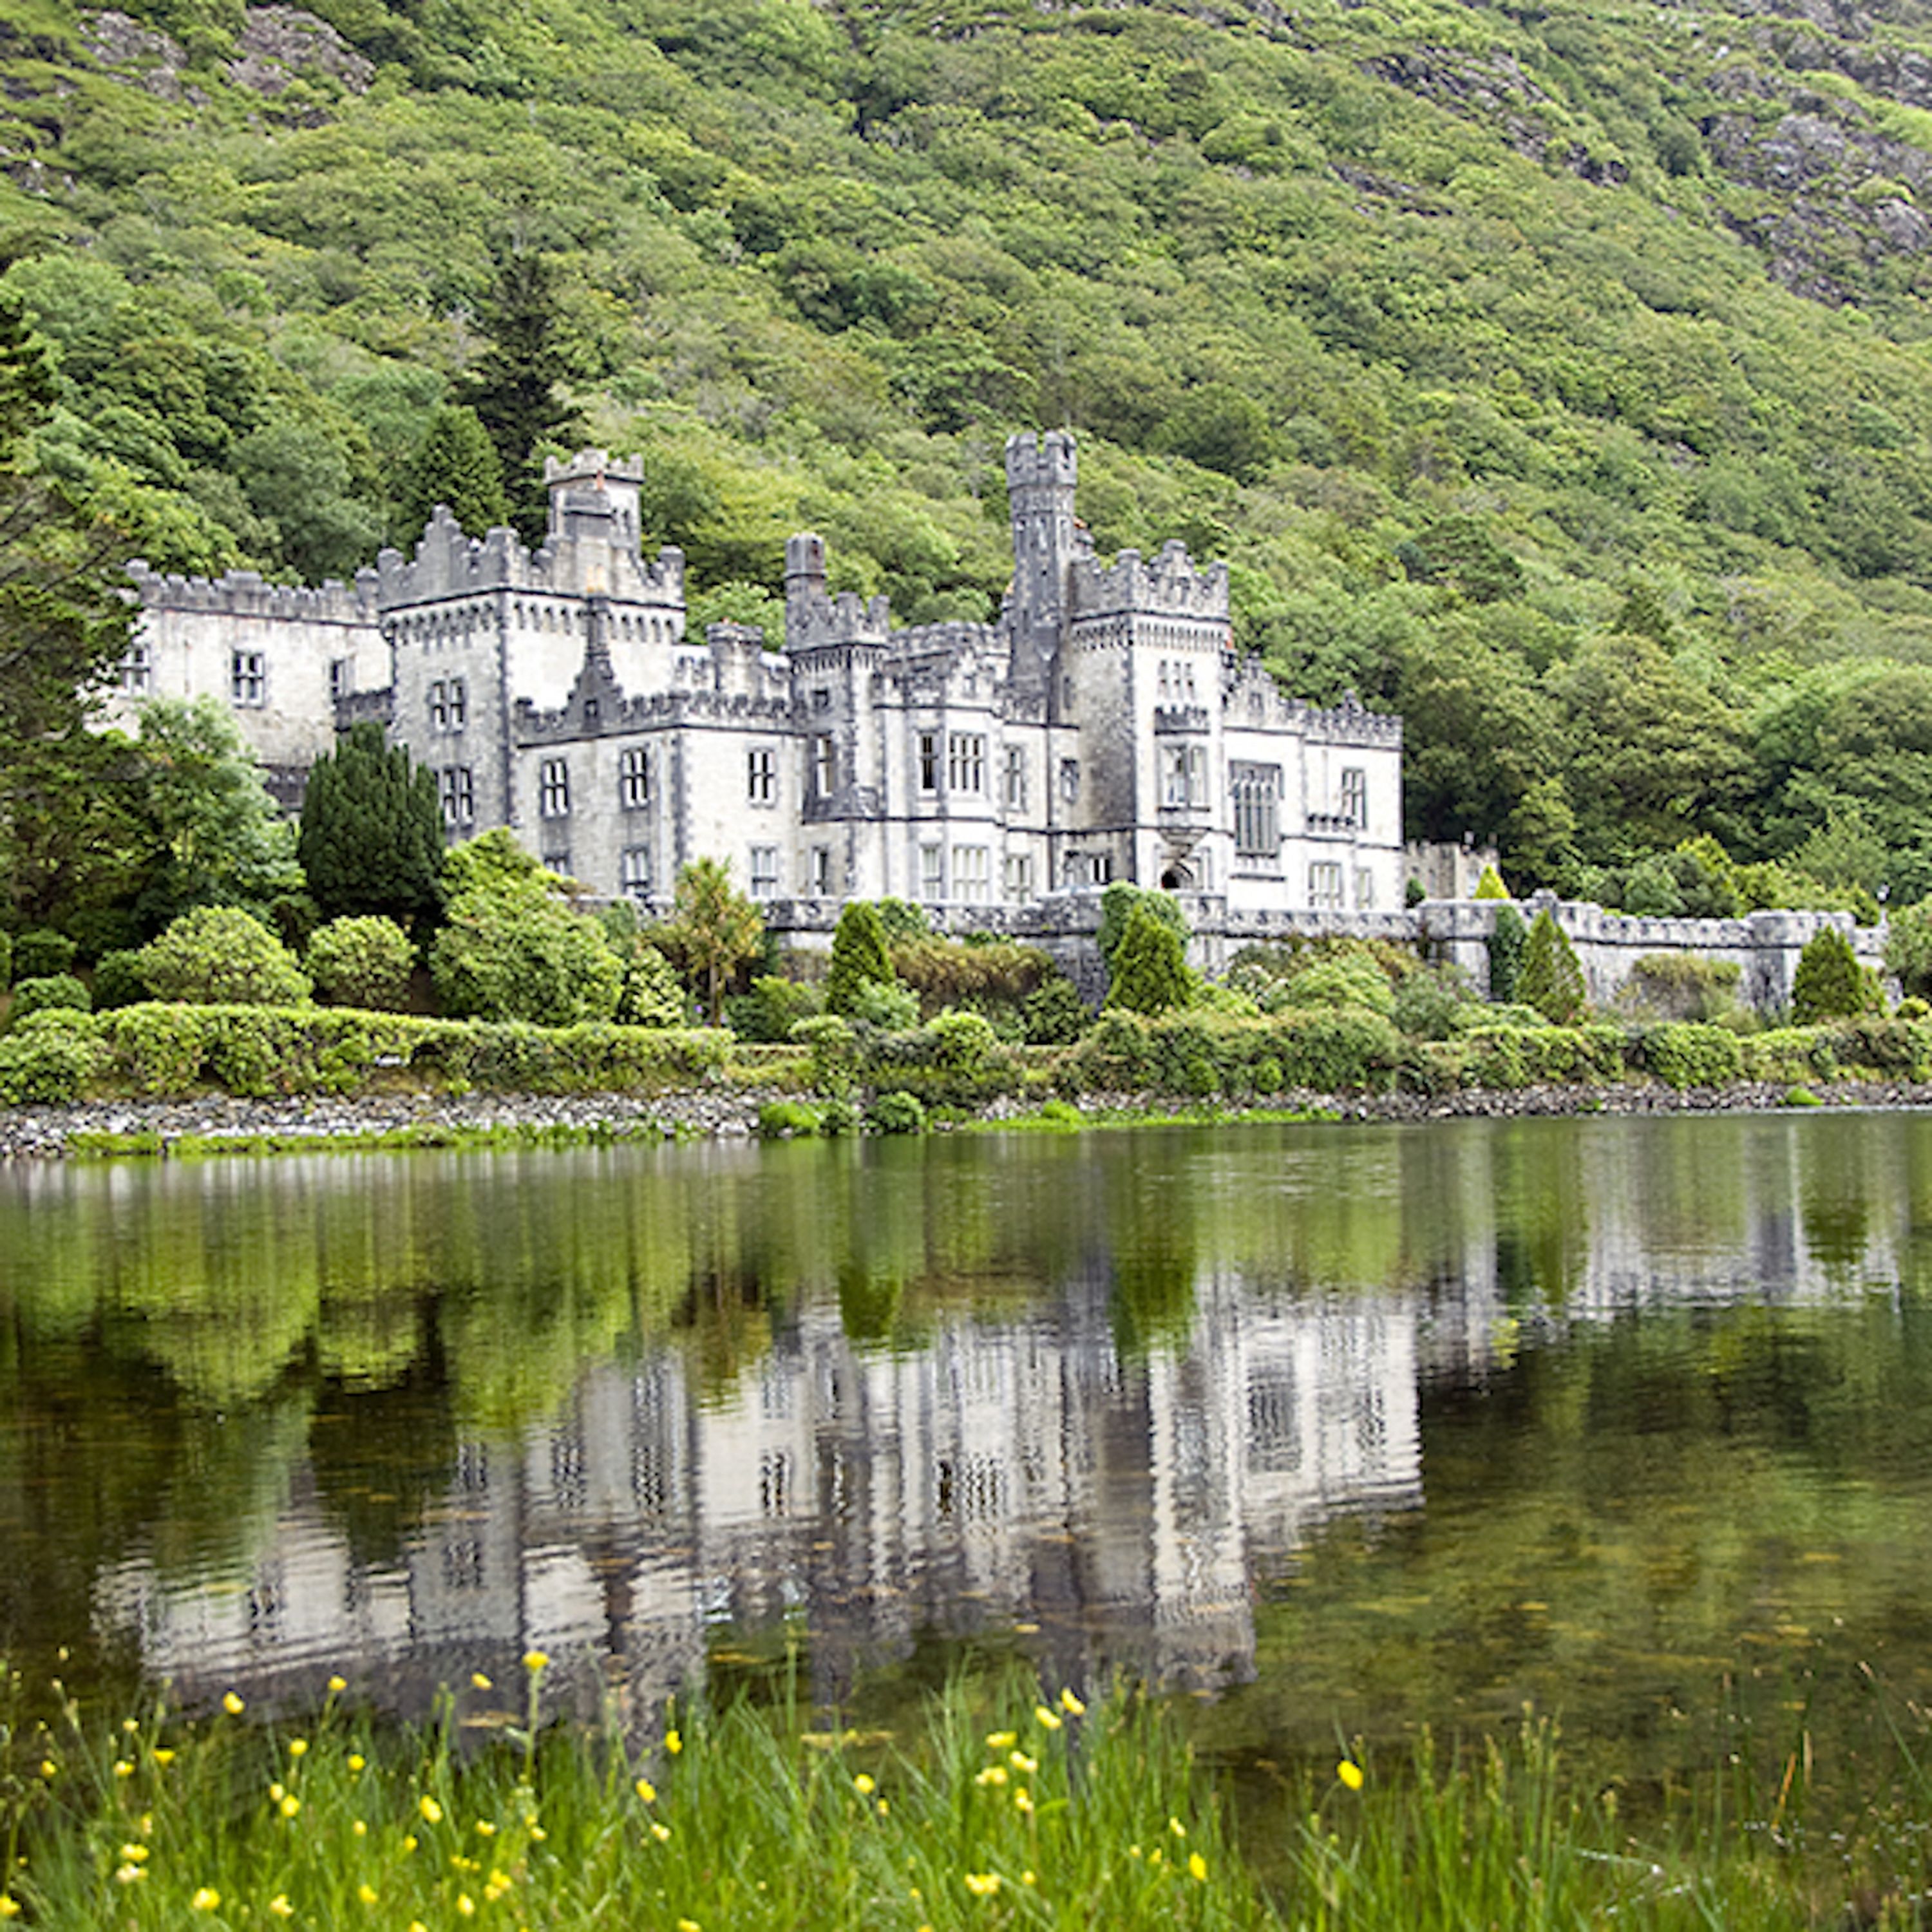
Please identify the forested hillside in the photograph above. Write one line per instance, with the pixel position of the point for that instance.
(1557, 375)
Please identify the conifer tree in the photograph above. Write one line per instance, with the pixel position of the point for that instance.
(1148, 973)
(1829, 983)
(859, 957)
(1507, 939)
(1553, 977)
(516, 386)
(371, 838)
(455, 463)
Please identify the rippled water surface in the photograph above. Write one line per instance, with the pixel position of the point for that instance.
(1359, 1428)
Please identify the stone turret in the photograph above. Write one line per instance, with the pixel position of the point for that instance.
(594, 498)
(1042, 472)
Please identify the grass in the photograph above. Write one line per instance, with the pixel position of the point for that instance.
(1002, 1806)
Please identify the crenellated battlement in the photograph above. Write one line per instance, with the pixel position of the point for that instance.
(1351, 722)
(247, 593)
(447, 562)
(1050, 461)
(1171, 585)
(812, 622)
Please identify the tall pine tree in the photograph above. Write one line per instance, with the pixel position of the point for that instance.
(455, 463)
(516, 387)
(371, 839)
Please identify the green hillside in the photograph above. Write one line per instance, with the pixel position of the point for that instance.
(1556, 374)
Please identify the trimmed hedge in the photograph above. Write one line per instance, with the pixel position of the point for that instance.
(258, 1051)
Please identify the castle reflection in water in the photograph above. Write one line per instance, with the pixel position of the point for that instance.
(1018, 1472)
(1026, 1469)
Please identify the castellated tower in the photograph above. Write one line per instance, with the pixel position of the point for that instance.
(1041, 473)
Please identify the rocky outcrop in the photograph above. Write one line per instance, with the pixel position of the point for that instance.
(280, 45)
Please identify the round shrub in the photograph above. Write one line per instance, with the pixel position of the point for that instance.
(49, 1058)
(43, 955)
(897, 1113)
(518, 953)
(118, 981)
(891, 1009)
(362, 962)
(52, 990)
(219, 955)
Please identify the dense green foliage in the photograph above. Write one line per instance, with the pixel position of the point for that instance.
(1552, 980)
(371, 839)
(512, 949)
(221, 955)
(1507, 938)
(1147, 970)
(362, 962)
(715, 930)
(1554, 377)
(1829, 983)
(859, 957)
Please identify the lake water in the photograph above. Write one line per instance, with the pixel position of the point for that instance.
(1353, 1428)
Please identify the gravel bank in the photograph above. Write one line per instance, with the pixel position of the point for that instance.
(49, 1132)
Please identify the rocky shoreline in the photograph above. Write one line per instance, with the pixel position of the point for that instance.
(723, 1113)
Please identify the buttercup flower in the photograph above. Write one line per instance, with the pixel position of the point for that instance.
(1048, 1720)
(982, 1885)
(1072, 1704)
(1197, 1868)
(1350, 1773)
(864, 1785)
(481, 1682)
(536, 1660)
(234, 1706)
(432, 1812)
(206, 1899)
(647, 1790)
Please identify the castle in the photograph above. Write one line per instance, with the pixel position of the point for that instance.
(1103, 728)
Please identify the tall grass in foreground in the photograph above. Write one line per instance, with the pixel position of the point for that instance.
(1007, 1808)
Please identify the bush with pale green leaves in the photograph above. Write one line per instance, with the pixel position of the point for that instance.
(219, 955)
(362, 962)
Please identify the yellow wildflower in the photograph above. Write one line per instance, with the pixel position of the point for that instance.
(480, 1681)
(466, 1905)
(884, 1809)
(674, 1743)
(1072, 1704)
(1020, 1762)
(484, 1829)
(356, 1760)
(290, 1805)
(279, 1906)
(164, 1758)
(660, 1832)
(206, 1899)
(1350, 1773)
(1048, 1720)
(366, 1893)
(10, 1906)
(137, 1855)
(865, 1785)
(129, 1874)
(336, 1685)
(432, 1812)
(298, 1747)
(277, 1792)
(647, 1790)
(687, 1925)
(130, 1725)
(122, 1768)
(48, 1767)
(498, 1883)
(1028, 1878)
(359, 1829)
(982, 1885)
(1197, 1868)
(234, 1706)
(1002, 1740)
(1023, 1799)
(1179, 1830)
(994, 1773)
(536, 1660)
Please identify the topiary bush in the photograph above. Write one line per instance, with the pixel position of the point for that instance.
(1829, 984)
(362, 962)
(1553, 978)
(41, 995)
(1507, 938)
(1147, 971)
(1490, 885)
(859, 959)
(220, 954)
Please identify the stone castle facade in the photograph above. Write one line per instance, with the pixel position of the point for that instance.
(1103, 728)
